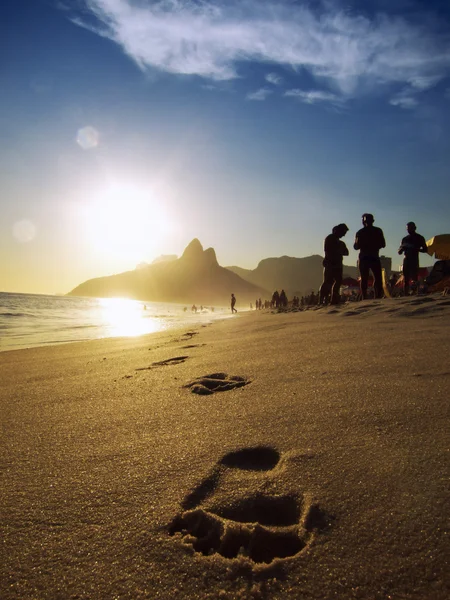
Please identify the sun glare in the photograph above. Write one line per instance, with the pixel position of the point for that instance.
(127, 318)
(126, 222)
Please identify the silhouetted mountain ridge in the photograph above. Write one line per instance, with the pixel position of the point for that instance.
(295, 275)
(195, 277)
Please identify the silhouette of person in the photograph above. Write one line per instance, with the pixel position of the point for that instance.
(335, 250)
(369, 240)
(233, 302)
(283, 299)
(275, 299)
(411, 245)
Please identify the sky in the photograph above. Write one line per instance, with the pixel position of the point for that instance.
(130, 127)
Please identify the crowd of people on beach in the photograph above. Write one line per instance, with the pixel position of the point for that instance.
(369, 240)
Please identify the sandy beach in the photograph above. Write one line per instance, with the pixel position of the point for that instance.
(268, 455)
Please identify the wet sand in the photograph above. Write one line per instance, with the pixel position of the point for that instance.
(296, 455)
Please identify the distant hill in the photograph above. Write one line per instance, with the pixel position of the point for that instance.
(195, 277)
(297, 276)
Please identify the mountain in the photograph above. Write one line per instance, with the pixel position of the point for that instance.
(297, 276)
(164, 258)
(195, 277)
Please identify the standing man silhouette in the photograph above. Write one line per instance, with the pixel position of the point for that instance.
(233, 302)
(411, 245)
(335, 250)
(369, 240)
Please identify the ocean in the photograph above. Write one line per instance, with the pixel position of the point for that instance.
(29, 320)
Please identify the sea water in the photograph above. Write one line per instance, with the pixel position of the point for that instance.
(28, 320)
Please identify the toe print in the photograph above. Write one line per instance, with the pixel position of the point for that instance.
(261, 458)
(258, 527)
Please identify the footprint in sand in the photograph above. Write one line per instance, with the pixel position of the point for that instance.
(176, 360)
(189, 334)
(253, 526)
(192, 346)
(216, 382)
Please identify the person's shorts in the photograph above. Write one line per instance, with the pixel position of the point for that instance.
(410, 269)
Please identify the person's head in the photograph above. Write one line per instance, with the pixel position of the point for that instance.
(367, 219)
(410, 227)
(340, 230)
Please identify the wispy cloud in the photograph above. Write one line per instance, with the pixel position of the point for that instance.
(274, 79)
(404, 100)
(314, 96)
(345, 52)
(259, 94)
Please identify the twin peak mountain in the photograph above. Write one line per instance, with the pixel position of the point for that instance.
(196, 277)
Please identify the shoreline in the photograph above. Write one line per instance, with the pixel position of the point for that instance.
(328, 444)
(370, 306)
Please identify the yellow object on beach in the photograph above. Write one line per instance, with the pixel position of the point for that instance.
(439, 245)
(386, 290)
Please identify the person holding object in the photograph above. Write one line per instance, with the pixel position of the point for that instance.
(369, 240)
(335, 249)
(411, 245)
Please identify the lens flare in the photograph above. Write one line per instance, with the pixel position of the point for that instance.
(24, 231)
(88, 137)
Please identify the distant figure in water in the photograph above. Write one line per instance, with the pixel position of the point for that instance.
(369, 240)
(335, 250)
(411, 245)
(145, 307)
(233, 302)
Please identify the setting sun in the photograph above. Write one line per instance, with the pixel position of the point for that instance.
(125, 221)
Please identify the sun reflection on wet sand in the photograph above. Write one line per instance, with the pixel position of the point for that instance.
(128, 318)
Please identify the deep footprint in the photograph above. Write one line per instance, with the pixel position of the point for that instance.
(216, 382)
(258, 527)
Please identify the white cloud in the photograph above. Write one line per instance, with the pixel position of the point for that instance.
(259, 94)
(346, 52)
(313, 96)
(274, 79)
(404, 102)
(405, 99)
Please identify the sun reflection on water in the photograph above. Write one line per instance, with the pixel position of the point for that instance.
(128, 318)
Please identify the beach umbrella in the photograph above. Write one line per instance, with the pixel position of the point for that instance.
(439, 245)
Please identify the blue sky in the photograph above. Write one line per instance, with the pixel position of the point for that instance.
(130, 127)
